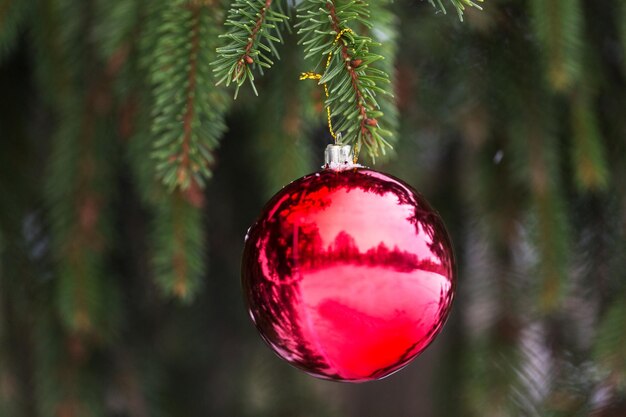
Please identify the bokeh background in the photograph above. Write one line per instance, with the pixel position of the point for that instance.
(119, 298)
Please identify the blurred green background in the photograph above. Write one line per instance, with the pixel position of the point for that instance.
(119, 298)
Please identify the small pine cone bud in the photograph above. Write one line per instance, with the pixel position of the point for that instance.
(355, 63)
(371, 122)
(248, 59)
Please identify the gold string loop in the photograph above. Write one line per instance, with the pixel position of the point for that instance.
(315, 76)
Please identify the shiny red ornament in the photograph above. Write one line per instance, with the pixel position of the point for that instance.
(348, 274)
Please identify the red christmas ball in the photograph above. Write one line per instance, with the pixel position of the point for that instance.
(348, 274)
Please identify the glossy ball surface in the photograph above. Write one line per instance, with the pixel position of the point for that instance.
(348, 275)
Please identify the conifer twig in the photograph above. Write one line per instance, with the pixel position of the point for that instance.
(187, 124)
(187, 109)
(12, 16)
(246, 59)
(459, 5)
(350, 65)
(254, 28)
(558, 27)
(352, 81)
(183, 170)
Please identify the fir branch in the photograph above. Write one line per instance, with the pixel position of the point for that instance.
(250, 41)
(79, 180)
(188, 111)
(12, 15)
(609, 343)
(188, 116)
(67, 381)
(78, 191)
(459, 5)
(384, 31)
(550, 229)
(50, 39)
(179, 243)
(195, 117)
(352, 81)
(119, 22)
(588, 154)
(558, 26)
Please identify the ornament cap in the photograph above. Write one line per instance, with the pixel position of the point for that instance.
(339, 157)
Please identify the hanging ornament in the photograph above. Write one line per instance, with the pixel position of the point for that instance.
(348, 272)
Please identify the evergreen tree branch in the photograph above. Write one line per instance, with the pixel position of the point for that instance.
(550, 228)
(254, 28)
(588, 155)
(558, 27)
(195, 124)
(117, 28)
(188, 116)
(179, 243)
(67, 379)
(78, 193)
(177, 238)
(609, 343)
(459, 5)
(186, 127)
(352, 81)
(533, 151)
(78, 183)
(83, 308)
(384, 31)
(12, 15)
(50, 41)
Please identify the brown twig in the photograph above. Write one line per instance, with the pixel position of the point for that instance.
(246, 59)
(183, 171)
(354, 77)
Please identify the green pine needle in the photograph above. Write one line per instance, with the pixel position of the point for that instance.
(459, 5)
(254, 29)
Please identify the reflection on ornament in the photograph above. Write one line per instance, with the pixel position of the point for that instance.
(348, 274)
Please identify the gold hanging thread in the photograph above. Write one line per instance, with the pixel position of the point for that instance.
(316, 76)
